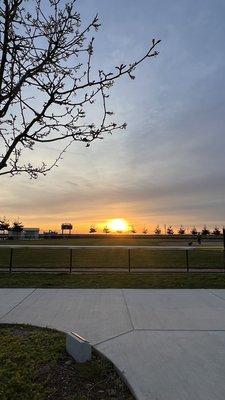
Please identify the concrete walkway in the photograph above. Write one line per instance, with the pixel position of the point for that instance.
(169, 344)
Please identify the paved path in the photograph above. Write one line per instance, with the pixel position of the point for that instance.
(169, 344)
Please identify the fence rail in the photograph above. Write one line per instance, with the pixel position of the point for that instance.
(47, 258)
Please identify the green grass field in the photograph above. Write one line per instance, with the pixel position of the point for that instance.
(127, 280)
(118, 241)
(45, 258)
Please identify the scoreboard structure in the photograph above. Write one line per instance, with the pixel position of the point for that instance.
(66, 227)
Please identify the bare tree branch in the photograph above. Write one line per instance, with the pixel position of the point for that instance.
(47, 82)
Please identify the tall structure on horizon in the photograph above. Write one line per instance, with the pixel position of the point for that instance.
(66, 227)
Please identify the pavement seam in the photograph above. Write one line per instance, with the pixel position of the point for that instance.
(128, 311)
(18, 304)
(216, 295)
(156, 330)
(123, 333)
(178, 330)
(113, 337)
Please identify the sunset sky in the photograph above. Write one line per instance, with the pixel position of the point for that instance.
(169, 165)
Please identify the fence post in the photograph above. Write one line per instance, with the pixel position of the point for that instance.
(71, 260)
(224, 260)
(224, 249)
(11, 260)
(187, 260)
(129, 260)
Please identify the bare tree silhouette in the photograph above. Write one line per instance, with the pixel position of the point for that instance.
(216, 231)
(157, 230)
(194, 231)
(4, 225)
(181, 230)
(92, 229)
(17, 227)
(170, 230)
(132, 229)
(47, 82)
(205, 231)
(106, 230)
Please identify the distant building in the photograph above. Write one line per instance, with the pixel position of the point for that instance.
(30, 233)
(27, 233)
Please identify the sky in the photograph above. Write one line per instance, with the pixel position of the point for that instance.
(168, 167)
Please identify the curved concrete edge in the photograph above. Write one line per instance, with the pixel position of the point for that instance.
(119, 371)
(161, 327)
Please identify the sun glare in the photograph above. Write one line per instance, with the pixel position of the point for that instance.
(118, 225)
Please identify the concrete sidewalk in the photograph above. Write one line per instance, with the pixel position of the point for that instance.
(169, 344)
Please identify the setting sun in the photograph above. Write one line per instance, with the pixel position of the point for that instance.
(118, 225)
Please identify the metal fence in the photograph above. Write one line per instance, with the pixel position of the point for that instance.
(38, 258)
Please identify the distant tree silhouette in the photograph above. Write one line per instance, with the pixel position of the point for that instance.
(170, 230)
(132, 229)
(145, 231)
(4, 225)
(216, 231)
(205, 231)
(106, 229)
(92, 229)
(17, 227)
(181, 230)
(48, 81)
(194, 231)
(157, 230)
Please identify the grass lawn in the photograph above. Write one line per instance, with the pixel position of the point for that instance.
(35, 366)
(117, 280)
(102, 241)
(119, 240)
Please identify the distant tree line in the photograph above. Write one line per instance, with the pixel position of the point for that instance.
(169, 230)
(16, 226)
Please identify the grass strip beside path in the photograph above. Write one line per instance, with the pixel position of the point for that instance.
(118, 280)
(35, 366)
